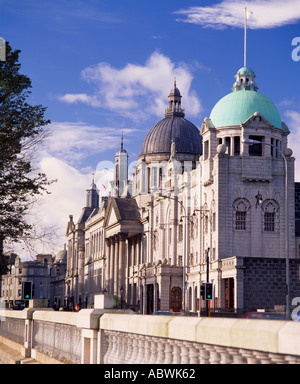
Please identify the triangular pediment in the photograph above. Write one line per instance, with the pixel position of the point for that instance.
(112, 215)
(122, 215)
(112, 218)
(70, 226)
(206, 125)
(257, 121)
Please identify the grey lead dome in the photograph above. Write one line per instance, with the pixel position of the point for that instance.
(174, 127)
(184, 133)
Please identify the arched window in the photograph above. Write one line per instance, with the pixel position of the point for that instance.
(270, 209)
(240, 217)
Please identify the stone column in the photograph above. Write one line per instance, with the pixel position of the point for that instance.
(111, 266)
(138, 250)
(161, 231)
(144, 297)
(106, 266)
(122, 261)
(231, 146)
(133, 252)
(81, 272)
(174, 223)
(116, 267)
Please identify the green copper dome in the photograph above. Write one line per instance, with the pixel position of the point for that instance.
(245, 70)
(239, 105)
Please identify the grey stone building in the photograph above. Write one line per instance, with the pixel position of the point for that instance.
(202, 205)
(46, 275)
(36, 272)
(57, 280)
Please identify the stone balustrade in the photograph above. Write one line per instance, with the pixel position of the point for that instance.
(188, 340)
(114, 337)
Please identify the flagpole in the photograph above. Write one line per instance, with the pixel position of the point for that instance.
(245, 40)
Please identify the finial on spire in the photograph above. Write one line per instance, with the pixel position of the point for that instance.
(248, 14)
(174, 103)
(122, 141)
(93, 180)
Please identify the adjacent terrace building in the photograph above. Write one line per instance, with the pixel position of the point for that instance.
(45, 275)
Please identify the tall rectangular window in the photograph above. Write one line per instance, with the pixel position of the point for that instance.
(272, 148)
(237, 146)
(206, 224)
(240, 221)
(179, 261)
(206, 150)
(269, 221)
(180, 232)
(256, 149)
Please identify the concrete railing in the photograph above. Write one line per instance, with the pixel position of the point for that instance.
(98, 337)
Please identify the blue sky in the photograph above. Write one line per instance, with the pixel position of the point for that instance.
(103, 67)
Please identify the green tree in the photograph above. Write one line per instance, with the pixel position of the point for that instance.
(22, 129)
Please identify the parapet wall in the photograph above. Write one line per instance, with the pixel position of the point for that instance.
(98, 337)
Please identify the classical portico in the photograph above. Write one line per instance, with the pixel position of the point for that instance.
(123, 228)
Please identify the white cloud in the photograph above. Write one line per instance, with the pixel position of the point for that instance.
(65, 151)
(79, 98)
(73, 142)
(67, 197)
(136, 91)
(266, 14)
(68, 194)
(50, 213)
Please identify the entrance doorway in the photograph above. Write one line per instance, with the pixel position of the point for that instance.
(150, 291)
(229, 293)
(176, 299)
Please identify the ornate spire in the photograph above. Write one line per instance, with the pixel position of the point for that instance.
(120, 181)
(121, 150)
(92, 195)
(174, 108)
(93, 185)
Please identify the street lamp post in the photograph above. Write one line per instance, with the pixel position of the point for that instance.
(287, 250)
(204, 211)
(162, 197)
(207, 280)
